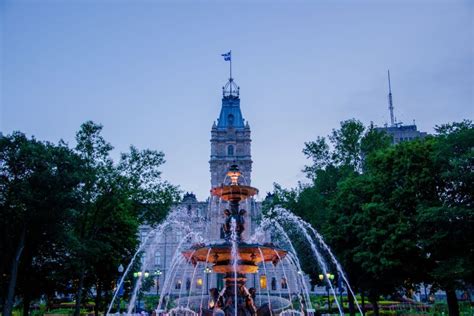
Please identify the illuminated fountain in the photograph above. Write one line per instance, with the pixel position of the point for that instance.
(235, 258)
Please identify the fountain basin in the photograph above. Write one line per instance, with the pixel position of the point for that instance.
(234, 192)
(220, 256)
(197, 302)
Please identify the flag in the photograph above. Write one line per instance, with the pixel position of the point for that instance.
(227, 56)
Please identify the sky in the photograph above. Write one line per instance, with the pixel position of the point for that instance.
(151, 73)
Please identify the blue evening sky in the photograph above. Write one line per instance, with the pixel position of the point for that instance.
(151, 73)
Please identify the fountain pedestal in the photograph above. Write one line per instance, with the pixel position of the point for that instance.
(234, 258)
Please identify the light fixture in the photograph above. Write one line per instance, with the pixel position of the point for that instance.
(234, 174)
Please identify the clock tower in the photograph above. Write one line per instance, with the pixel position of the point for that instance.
(230, 145)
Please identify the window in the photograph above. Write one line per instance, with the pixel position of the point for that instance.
(263, 281)
(188, 284)
(189, 210)
(199, 283)
(230, 150)
(230, 119)
(274, 284)
(177, 286)
(157, 258)
(143, 236)
(284, 284)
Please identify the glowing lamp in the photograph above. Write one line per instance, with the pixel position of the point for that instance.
(234, 174)
(263, 282)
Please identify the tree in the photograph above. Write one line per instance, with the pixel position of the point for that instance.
(38, 186)
(332, 163)
(116, 199)
(445, 225)
(411, 208)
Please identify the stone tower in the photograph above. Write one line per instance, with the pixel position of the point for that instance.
(230, 144)
(230, 138)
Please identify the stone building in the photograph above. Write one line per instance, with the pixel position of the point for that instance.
(230, 144)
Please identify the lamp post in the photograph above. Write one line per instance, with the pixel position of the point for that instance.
(120, 270)
(138, 274)
(157, 274)
(330, 278)
(207, 271)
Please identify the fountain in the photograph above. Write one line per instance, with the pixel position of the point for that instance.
(235, 258)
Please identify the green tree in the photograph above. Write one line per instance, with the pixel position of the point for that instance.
(116, 199)
(409, 217)
(332, 163)
(445, 225)
(38, 186)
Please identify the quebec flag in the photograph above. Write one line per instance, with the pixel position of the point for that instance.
(227, 56)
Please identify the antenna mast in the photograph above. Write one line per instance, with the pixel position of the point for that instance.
(390, 101)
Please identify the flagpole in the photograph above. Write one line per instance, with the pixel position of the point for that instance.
(230, 80)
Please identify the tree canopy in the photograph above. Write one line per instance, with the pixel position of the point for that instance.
(70, 216)
(396, 215)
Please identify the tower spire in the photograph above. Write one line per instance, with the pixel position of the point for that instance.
(390, 101)
(230, 89)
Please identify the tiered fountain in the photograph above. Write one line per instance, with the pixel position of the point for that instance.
(234, 257)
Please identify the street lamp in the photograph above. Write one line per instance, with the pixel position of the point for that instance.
(120, 270)
(157, 274)
(329, 277)
(207, 270)
(138, 274)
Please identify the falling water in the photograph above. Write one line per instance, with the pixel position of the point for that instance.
(286, 215)
(171, 220)
(270, 223)
(286, 279)
(207, 281)
(322, 264)
(235, 258)
(265, 269)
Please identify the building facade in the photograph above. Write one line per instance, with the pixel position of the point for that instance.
(230, 144)
(402, 133)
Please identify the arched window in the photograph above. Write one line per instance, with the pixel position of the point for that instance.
(157, 258)
(230, 150)
(284, 284)
(274, 284)
(177, 286)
